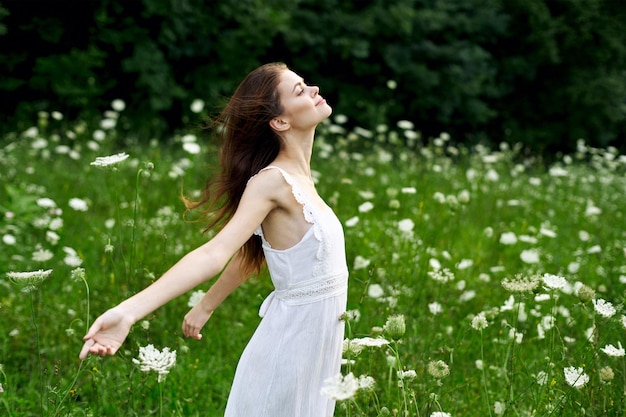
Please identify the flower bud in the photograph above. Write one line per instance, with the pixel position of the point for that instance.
(586, 293)
(395, 327)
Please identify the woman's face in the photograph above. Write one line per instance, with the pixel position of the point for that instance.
(303, 107)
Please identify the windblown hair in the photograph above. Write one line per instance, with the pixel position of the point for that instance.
(248, 144)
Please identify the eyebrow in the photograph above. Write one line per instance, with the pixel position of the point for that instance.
(297, 84)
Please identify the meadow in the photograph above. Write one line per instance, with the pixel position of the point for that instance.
(484, 282)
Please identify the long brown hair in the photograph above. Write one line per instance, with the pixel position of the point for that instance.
(248, 144)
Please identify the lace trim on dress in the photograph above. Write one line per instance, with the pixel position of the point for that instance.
(318, 290)
(301, 198)
(315, 291)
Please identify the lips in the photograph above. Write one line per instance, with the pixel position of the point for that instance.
(321, 101)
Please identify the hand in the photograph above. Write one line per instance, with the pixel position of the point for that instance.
(107, 334)
(195, 320)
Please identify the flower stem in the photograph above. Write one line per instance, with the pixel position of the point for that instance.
(80, 366)
(160, 400)
(41, 372)
(482, 358)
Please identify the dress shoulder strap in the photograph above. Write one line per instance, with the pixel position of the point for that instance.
(307, 208)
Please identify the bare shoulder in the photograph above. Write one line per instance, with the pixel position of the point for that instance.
(271, 184)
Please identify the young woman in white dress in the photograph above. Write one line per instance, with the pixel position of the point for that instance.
(267, 209)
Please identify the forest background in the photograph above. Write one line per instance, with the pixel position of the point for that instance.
(543, 73)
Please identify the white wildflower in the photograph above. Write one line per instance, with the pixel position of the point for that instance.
(558, 172)
(594, 249)
(542, 378)
(575, 377)
(604, 308)
(366, 383)
(151, 359)
(479, 322)
(78, 204)
(71, 257)
(405, 124)
(406, 225)
(98, 135)
(195, 298)
(395, 327)
(352, 221)
(340, 387)
(29, 280)
(592, 210)
(341, 119)
(409, 374)
(530, 256)
(606, 374)
(365, 207)
(106, 161)
(56, 223)
(614, 351)
(444, 275)
(77, 274)
(46, 203)
(42, 255)
(438, 369)
(508, 238)
(353, 315)
(197, 106)
(9, 239)
(464, 264)
(435, 308)
(369, 342)
(553, 281)
(375, 291)
(118, 105)
(440, 414)
(351, 347)
(508, 304)
(108, 123)
(547, 232)
(360, 262)
(192, 148)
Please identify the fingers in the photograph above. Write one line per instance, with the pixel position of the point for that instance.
(95, 328)
(85, 350)
(95, 348)
(191, 331)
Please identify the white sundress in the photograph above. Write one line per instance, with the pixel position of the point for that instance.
(298, 342)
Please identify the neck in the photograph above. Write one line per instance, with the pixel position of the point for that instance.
(296, 153)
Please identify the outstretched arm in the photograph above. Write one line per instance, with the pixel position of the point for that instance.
(108, 332)
(228, 281)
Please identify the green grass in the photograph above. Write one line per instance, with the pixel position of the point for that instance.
(462, 205)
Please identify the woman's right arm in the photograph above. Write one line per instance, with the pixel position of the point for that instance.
(108, 331)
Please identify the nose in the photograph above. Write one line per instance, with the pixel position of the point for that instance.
(315, 89)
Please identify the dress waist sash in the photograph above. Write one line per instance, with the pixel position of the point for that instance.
(308, 293)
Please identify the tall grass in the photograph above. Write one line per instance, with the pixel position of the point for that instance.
(433, 231)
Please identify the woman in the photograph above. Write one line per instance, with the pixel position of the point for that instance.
(266, 201)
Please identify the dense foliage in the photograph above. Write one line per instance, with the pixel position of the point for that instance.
(541, 72)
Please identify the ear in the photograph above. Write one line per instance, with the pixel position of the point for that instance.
(279, 125)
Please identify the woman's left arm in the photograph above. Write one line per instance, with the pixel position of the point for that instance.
(227, 282)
